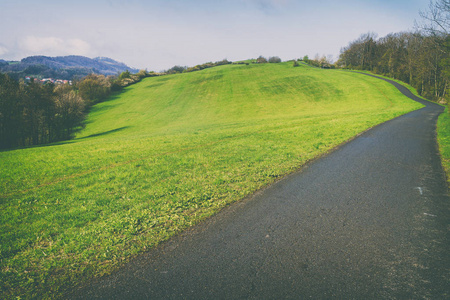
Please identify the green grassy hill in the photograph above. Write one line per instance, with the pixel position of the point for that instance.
(163, 155)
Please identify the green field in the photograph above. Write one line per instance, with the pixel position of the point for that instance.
(165, 154)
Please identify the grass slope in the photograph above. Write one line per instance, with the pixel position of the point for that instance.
(443, 132)
(165, 154)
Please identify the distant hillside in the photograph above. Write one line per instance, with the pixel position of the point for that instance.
(63, 67)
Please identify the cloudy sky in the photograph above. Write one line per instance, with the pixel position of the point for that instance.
(158, 34)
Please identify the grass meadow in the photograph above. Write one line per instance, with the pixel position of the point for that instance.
(165, 154)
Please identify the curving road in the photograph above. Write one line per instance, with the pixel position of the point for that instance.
(368, 221)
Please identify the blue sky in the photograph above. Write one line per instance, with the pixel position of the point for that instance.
(158, 34)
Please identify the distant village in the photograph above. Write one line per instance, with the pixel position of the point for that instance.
(48, 80)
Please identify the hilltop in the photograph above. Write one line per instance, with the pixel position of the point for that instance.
(63, 67)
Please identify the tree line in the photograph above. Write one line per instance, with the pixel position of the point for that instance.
(413, 57)
(324, 62)
(419, 58)
(180, 69)
(32, 113)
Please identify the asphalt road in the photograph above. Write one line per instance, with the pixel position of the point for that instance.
(368, 221)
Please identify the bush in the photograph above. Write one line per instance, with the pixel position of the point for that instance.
(125, 74)
(261, 60)
(274, 60)
(176, 69)
(94, 88)
(142, 74)
(222, 62)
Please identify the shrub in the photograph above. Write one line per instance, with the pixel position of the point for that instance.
(261, 60)
(176, 69)
(223, 62)
(274, 59)
(94, 88)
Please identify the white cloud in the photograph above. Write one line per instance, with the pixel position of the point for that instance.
(78, 46)
(3, 50)
(54, 46)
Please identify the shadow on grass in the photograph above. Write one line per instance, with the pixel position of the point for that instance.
(95, 108)
(71, 141)
(103, 105)
(102, 133)
(58, 143)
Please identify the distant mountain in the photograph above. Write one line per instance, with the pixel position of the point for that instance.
(63, 67)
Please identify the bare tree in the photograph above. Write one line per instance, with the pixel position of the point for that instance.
(437, 24)
(437, 17)
(360, 53)
(330, 59)
(69, 108)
